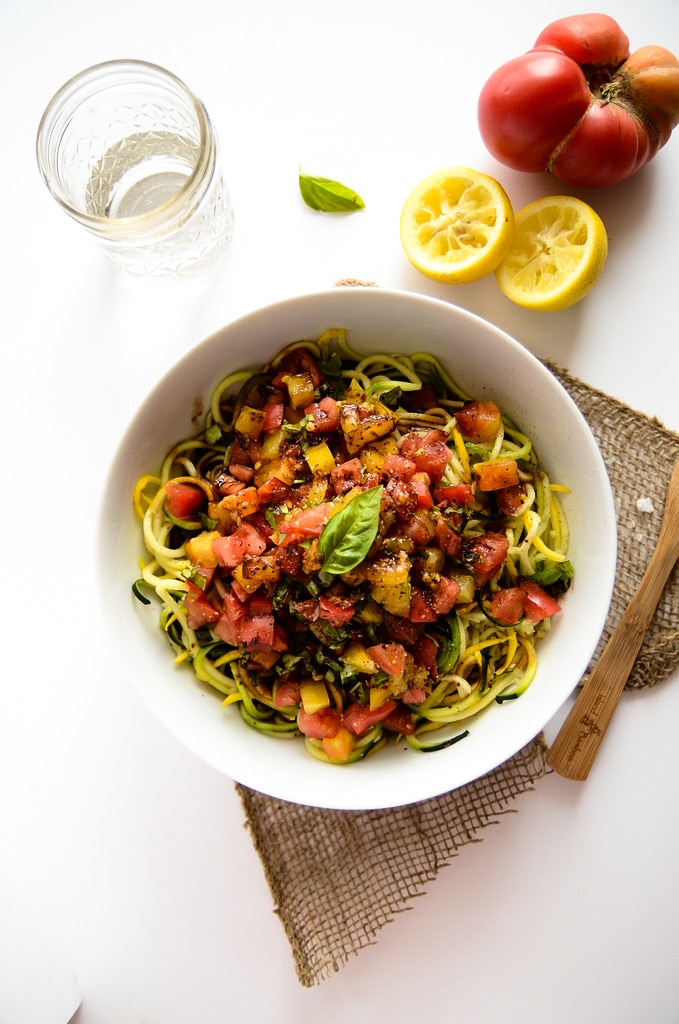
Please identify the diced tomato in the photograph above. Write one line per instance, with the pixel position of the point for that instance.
(391, 658)
(234, 608)
(244, 474)
(319, 724)
(280, 639)
(486, 555)
(445, 595)
(228, 626)
(398, 467)
(429, 452)
(307, 609)
(244, 452)
(240, 592)
(415, 695)
(349, 474)
(339, 748)
(273, 491)
(424, 398)
(420, 484)
(507, 605)
(400, 720)
(287, 695)
(478, 421)
(290, 560)
(539, 604)
(455, 495)
(448, 539)
(245, 540)
(273, 416)
(336, 610)
(358, 718)
(257, 632)
(400, 498)
(421, 610)
(323, 416)
(419, 528)
(510, 499)
(425, 651)
(227, 630)
(306, 523)
(199, 611)
(260, 604)
(184, 500)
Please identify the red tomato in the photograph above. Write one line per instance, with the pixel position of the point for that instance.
(257, 632)
(199, 611)
(273, 416)
(448, 539)
(445, 595)
(391, 658)
(420, 485)
(486, 554)
(507, 605)
(323, 416)
(424, 398)
(510, 499)
(346, 476)
(287, 695)
(429, 452)
(398, 467)
(184, 499)
(319, 725)
(358, 719)
(539, 604)
(231, 550)
(400, 720)
(306, 523)
(579, 106)
(455, 494)
(421, 609)
(478, 421)
(335, 610)
(273, 491)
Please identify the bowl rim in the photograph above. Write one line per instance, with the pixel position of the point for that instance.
(361, 789)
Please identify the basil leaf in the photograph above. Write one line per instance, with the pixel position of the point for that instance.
(327, 195)
(348, 535)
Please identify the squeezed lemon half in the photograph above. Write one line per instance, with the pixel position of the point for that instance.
(559, 250)
(457, 225)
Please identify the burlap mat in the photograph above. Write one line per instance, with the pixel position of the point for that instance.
(310, 855)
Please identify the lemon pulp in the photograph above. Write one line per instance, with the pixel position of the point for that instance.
(457, 225)
(557, 255)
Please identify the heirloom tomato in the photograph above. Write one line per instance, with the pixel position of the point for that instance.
(579, 106)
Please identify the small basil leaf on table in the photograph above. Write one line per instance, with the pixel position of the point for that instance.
(327, 195)
(348, 535)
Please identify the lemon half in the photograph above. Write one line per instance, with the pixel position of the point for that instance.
(457, 225)
(558, 253)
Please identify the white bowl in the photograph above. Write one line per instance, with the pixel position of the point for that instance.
(488, 364)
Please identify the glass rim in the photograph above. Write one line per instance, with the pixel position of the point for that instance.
(126, 227)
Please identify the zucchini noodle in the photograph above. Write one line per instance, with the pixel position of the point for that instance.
(354, 549)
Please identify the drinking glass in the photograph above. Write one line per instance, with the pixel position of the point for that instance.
(129, 152)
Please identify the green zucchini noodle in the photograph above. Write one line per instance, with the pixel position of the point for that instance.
(354, 550)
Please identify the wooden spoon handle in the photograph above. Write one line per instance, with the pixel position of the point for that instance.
(574, 749)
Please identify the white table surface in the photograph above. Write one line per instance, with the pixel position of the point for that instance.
(567, 911)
